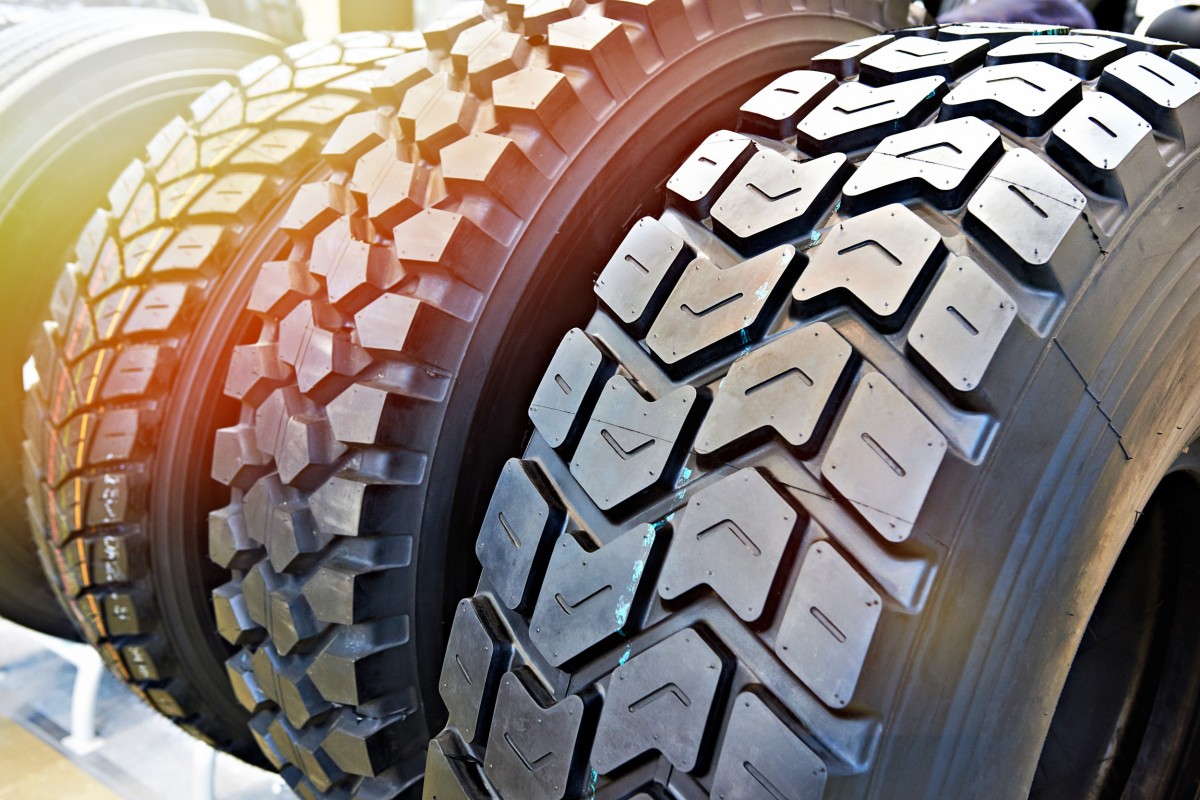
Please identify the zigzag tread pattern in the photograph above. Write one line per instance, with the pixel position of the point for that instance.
(774, 560)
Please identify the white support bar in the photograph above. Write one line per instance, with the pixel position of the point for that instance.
(88, 671)
(204, 774)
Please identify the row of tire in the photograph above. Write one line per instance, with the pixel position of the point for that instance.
(278, 390)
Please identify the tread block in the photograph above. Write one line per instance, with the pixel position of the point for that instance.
(346, 666)
(942, 162)
(777, 108)
(1187, 59)
(917, 57)
(883, 457)
(785, 385)
(629, 442)
(775, 198)
(711, 306)
(1135, 44)
(962, 323)
(1026, 209)
(486, 52)
(599, 46)
(233, 617)
(642, 271)
(351, 587)
(708, 171)
(1108, 147)
(762, 759)
(731, 538)
(997, 32)
(433, 114)
(1164, 94)
(367, 746)
(473, 664)
(1027, 97)
(441, 34)
(389, 187)
(531, 749)
(827, 628)
(843, 61)
(1082, 56)
(449, 776)
(588, 594)
(571, 379)
(536, 16)
(661, 699)
(878, 257)
(122, 616)
(285, 682)
(517, 532)
(856, 115)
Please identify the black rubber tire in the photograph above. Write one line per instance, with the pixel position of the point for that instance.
(282, 19)
(819, 502)
(129, 73)
(381, 335)
(126, 376)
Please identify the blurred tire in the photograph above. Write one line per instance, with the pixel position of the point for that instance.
(128, 370)
(80, 95)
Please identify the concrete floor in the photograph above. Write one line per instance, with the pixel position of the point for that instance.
(30, 768)
(142, 755)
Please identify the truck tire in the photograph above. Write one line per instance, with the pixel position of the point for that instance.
(130, 71)
(126, 393)
(819, 502)
(385, 365)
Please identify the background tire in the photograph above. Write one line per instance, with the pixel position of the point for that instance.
(819, 501)
(385, 360)
(128, 370)
(129, 72)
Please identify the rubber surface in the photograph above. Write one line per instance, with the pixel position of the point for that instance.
(130, 72)
(126, 391)
(345, 464)
(703, 576)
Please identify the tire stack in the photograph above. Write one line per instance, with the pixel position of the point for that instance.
(893, 344)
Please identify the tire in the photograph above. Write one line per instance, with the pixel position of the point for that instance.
(127, 373)
(130, 71)
(818, 502)
(384, 360)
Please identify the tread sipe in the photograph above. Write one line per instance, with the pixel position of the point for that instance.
(124, 402)
(696, 577)
(369, 385)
